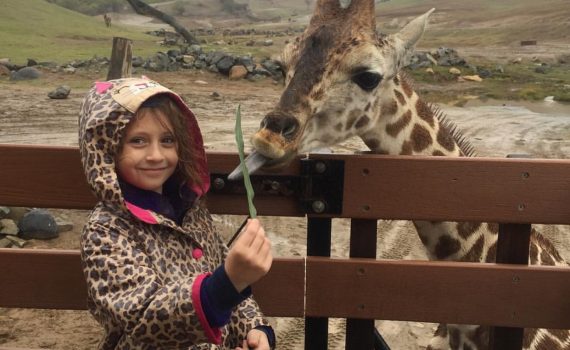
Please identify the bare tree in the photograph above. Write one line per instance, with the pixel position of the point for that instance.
(144, 9)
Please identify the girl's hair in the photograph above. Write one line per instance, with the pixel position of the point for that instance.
(186, 170)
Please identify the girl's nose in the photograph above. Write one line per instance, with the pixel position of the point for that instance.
(155, 153)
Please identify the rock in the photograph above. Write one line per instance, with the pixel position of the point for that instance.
(200, 82)
(17, 213)
(26, 73)
(430, 70)
(225, 64)
(60, 93)
(4, 71)
(8, 227)
(69, 70)
(38, 224)
(454, 71)
(188, 59)
(5, 242)
(4, 61)
(238, 72)
(17, 241)
(484, 73)
(541, 69)
(137, 61)
(216, 96)
(32, 62)
(517, 60)
(63, 225)
(471, 78)
(194, 50)
(4, 212)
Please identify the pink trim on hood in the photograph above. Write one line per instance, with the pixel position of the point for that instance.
(143, 214)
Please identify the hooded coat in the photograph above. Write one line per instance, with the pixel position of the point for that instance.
(143, 270)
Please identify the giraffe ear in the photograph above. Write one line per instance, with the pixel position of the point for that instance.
(405, 40)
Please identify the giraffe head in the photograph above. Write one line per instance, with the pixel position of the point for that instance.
(337, 75)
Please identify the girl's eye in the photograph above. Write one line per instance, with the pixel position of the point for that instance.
(137, 141)
(169, 140)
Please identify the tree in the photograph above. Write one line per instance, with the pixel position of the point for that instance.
(144, 9)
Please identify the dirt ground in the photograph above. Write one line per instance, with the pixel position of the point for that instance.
(28, 116)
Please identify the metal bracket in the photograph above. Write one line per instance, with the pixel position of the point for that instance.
(319, 188)
(322, 186)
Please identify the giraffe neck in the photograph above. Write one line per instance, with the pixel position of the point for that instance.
(406, 125)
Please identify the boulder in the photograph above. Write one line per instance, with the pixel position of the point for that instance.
(60, 93)
(38, 224)
(26, 73)
(238, 72)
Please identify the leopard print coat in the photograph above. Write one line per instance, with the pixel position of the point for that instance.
(144, 271)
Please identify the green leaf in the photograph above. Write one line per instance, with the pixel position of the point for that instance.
(246, 179)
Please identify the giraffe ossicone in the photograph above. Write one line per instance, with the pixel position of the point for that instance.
(343, 79)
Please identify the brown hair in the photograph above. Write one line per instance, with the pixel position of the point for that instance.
(187, 153)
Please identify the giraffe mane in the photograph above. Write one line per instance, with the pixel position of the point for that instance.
(462, 142)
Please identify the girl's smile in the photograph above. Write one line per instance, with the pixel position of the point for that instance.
(149, 155)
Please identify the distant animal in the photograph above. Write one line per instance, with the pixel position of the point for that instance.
(107, 19)
(343, 79)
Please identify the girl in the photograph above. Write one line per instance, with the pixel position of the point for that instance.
(158, 274)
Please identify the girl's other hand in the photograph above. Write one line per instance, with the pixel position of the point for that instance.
(250, 257)
(256, 339)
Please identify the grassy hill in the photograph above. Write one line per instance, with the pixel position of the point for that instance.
(47, 32)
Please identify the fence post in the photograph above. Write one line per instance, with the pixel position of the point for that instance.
(121, 57)
(318, 244)
(359, 332)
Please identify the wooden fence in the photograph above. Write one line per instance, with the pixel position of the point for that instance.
(508, 295)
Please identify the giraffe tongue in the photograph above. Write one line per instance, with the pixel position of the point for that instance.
(253, 162)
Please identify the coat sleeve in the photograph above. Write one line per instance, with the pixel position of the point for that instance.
(127, 295)
(246, 316)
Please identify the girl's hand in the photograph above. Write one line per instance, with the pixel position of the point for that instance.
(250, 257)
(256, 339)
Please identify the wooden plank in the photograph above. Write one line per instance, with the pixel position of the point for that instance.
(448, 292)
(282, 291)
(460, 189)
(53, 279)
(42, 279)
(43, 176)
(418, 188)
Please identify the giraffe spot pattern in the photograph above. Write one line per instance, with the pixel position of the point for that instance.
(362, 122)
(421, 138)
(466, 229)
(445, 139)
(446, 246)
(395, 128)
(425, 112)
(400, 97)
(390, 108)
(407, 88)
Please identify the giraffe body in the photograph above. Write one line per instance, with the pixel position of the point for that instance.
(344, 80)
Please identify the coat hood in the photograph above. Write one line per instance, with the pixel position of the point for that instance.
(105, 112)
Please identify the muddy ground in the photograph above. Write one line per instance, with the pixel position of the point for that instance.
(28, 116)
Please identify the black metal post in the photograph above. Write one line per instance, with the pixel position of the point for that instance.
(318, 244)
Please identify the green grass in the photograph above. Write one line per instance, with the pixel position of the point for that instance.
(46, 32)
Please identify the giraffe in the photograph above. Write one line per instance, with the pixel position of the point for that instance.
(342, 79)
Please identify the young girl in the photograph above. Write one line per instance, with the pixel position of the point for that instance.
(158, 274)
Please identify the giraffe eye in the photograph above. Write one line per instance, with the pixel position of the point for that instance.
(367, 80)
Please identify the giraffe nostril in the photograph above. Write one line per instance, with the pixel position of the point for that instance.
(290, 130)
(281, 123)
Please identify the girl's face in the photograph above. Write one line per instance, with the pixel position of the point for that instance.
(149, 154)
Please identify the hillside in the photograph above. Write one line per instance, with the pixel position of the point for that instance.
(47, 32)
